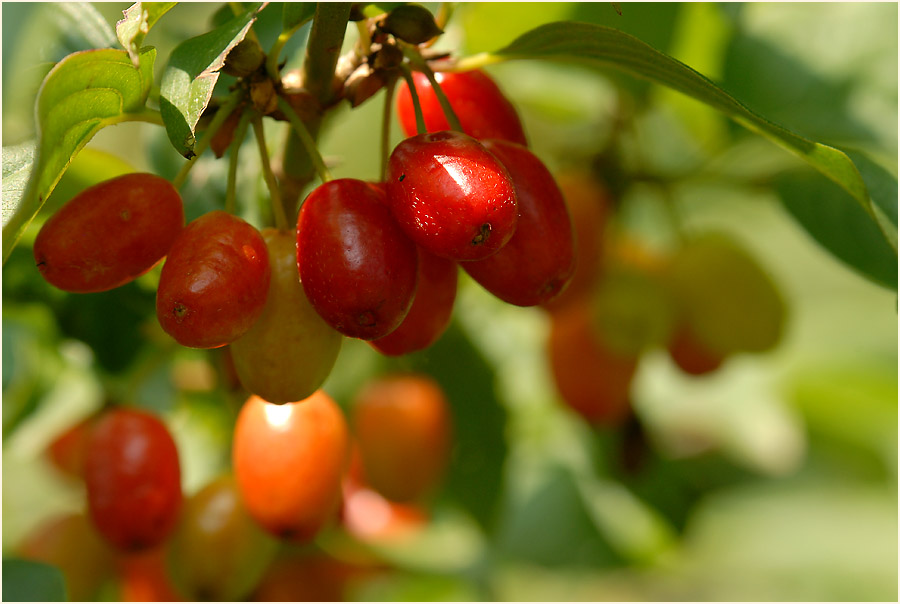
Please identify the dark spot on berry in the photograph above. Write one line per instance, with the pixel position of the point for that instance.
(180, 311)
(402, 176)
(366, 319)
(483, 234)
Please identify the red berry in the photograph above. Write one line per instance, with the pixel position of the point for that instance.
(133, 479)
(67, 451)
(592, 379)
(288, 461)
(451, 196)
(215, 281)
(109, 234)
(402, 425)
(357, 267)
(539, 260)
(483, 110)
(431, 308)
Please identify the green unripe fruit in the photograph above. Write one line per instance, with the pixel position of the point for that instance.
(633, 309)
(219, 553)
(730, 303)
(287, 354)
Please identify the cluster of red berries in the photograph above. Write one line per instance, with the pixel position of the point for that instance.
(376, 261)
(298, 468)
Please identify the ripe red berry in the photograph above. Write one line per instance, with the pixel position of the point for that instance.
(402, 427)
(592, 379)
(483, 110)
(67, 451)
(451, 196)
(214, 283)
(288, 461)
(109, 234)
(357, 267)
(431, 308)
(539, 260)
(133, 479)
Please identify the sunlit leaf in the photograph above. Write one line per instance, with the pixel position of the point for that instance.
(83, 20)
(83, 93)
(188, 81)
(138, 20)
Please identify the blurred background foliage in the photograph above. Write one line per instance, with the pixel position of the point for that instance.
(773, 478)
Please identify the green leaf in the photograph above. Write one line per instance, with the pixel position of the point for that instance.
(189, 78)
(83, 93)
(296, 14)
(17, 163)
(598, 46)
(138, 20)
(83, 20)
(839, 225)
(27, 581)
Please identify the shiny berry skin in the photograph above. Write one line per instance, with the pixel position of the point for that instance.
(218, 553)
(133, 479)
(214, 283)
(289, 352)
(591, 378)
(483, 110)
(431, 308)
(109, 234)
(539, 260)
(451, 196)
(288, 461)
(402, 426)
(357, 267)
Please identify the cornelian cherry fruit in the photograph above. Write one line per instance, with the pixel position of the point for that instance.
(133, 479)
(539, 260)
(110, 233)
(288, 461)
(483, 110)
(214, 283)
(592, 379)
(290, 350)
(218, 553)
(402, 426)
(357, 267)
(451, 196)
(431, 308)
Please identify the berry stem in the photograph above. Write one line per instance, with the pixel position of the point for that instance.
(417, 106)
(386, 127)
(306, 139)
(326, 37)
(281, 220)
(415, 58)
(239, 134)
(217, 121)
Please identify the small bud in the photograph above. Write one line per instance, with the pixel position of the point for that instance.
(264, 97)
(244, 59)
(411, 23)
